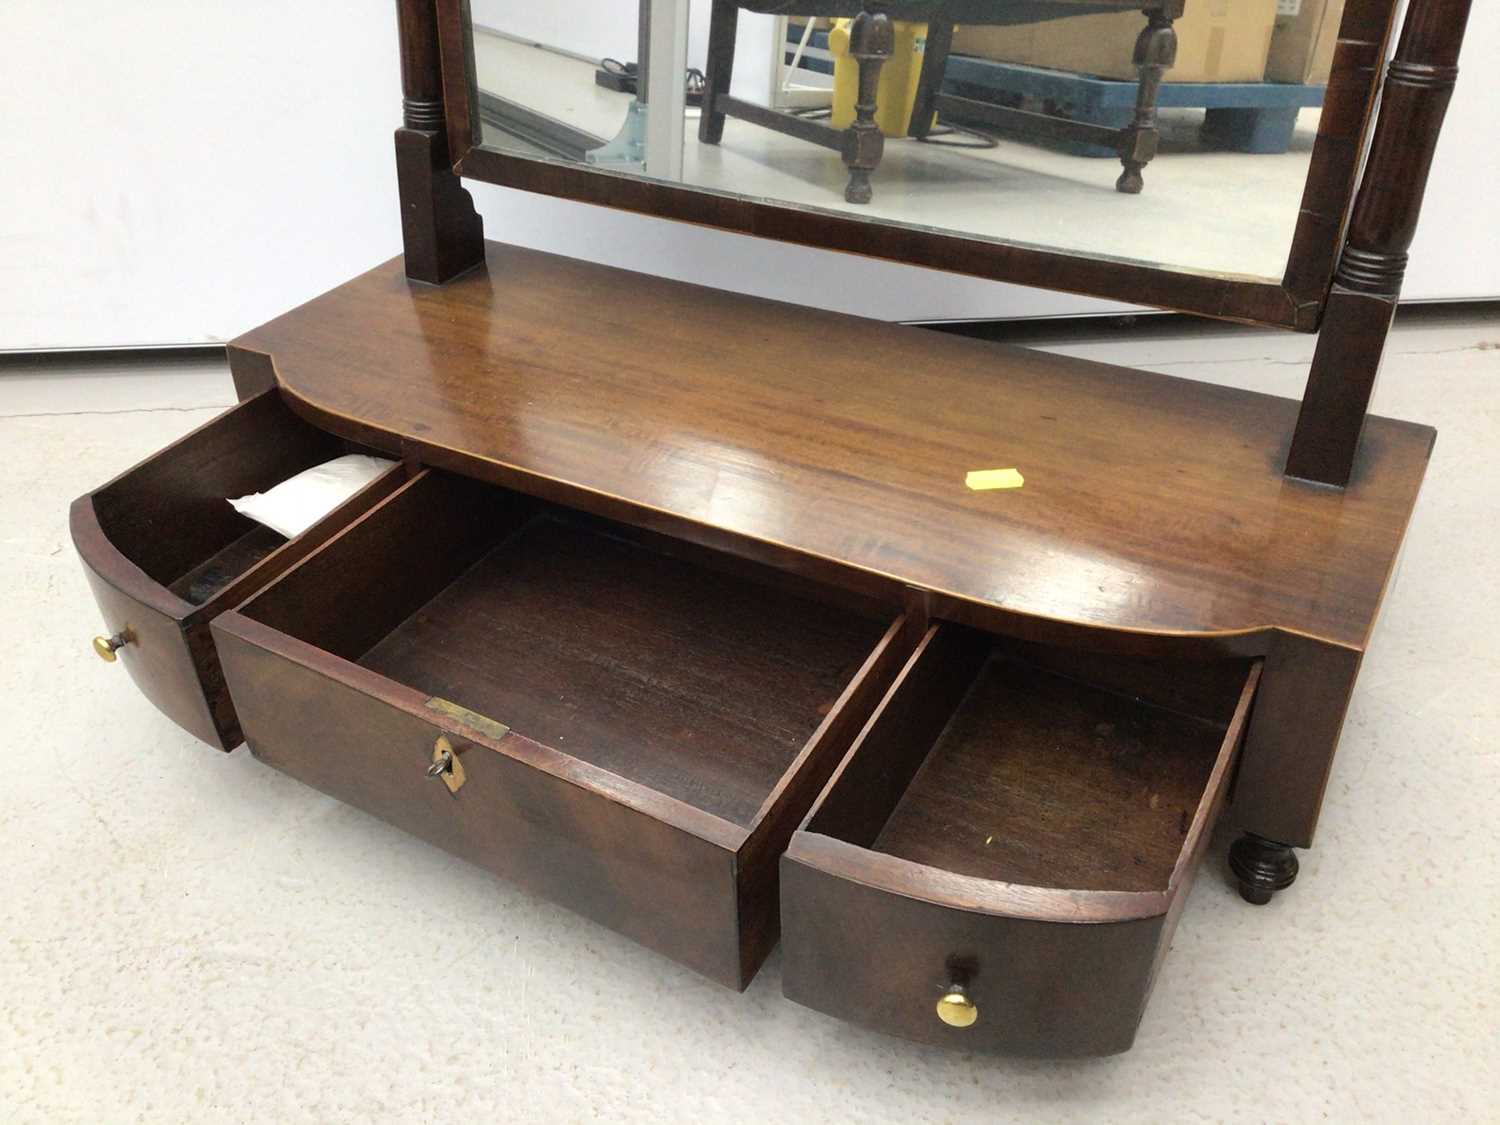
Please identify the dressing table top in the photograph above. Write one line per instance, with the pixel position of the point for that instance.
(1151, 504)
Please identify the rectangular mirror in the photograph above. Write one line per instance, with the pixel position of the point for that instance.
(1196, 154)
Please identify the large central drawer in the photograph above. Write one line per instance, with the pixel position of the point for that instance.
(629, 725)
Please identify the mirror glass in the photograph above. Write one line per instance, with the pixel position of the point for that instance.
(1177, 136)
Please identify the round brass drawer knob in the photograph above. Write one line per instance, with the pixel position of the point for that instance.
(105, 646)
(955, 1008)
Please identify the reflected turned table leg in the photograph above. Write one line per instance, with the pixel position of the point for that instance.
(930, 81)
(872, 40)
(1155, 52)
(723, 26)
(1262, 867)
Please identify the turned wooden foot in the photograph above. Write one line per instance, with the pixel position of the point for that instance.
(1155, 52)
(1262, 867)
(871, 42)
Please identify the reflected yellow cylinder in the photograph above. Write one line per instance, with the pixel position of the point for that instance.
(898, 77)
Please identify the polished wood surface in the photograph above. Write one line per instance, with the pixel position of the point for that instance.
(1043, 872)
(169, 514)
(1042, 988)
(172, 663)
(598, 845)
(654, 555)
(1042, 780)
(692, 683)
(1151, 504)
(675, 714)
(983, 764)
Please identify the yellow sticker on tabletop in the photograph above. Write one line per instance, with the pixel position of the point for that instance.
(982, 480)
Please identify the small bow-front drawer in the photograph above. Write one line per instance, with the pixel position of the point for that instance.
(999, 861)
(165, 553)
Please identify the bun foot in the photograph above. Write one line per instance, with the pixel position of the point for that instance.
(859, 189)
(1130, 182)
(1262, 867)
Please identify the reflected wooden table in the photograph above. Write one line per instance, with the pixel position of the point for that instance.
(871, 41)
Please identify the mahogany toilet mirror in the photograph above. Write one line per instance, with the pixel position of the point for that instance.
(724, 621)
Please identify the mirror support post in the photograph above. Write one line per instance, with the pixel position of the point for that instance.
(1367, 282)
(442, 234)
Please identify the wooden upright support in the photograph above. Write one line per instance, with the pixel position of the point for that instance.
(1367, 281)
(871, 42)
(1155, 52)
(442, 233)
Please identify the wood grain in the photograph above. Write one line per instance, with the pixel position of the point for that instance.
(1043, 988)
(664, 880)
(709, 696)
(691, 683)
(1152, 504)
(1045, 781)
(170, 513)
(1035, 846)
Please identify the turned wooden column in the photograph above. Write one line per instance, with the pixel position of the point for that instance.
(1367, 282)
(1155, 52)
(442, 234)
(872, 40)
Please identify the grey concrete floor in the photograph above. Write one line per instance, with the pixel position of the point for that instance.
(189, 936)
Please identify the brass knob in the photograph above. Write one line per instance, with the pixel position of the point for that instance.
(105, 646)
(955, 1008)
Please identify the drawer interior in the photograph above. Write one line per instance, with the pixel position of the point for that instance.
(170, 516)
(1025, 765)
(697, 675)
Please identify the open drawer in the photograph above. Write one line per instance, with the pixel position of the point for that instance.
(629, 725)
(165, 553)
(1000, 859)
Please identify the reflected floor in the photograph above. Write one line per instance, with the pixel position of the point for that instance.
(1218, 212)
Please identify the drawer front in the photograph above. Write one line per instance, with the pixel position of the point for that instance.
(1040, 988)
(173, 664)
(968, 960)
(146, 534)
(318, 719)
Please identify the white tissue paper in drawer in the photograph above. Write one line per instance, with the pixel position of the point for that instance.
(298, 502)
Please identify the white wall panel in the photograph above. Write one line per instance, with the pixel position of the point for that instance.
(177, 172)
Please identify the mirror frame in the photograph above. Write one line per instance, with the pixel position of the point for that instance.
(1296, 302)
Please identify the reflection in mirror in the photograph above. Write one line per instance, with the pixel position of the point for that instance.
(1168, 132)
